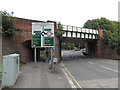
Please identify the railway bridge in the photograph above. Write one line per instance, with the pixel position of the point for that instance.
(21, 41)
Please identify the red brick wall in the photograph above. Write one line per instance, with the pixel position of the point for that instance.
(99, 45)
(105, 51)
(16, 44)
(109, 52)
(24, 24)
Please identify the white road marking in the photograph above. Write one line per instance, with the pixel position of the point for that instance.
(110, 69)
(90, 62)
(108, 61)
(65, 71)
(68, 79)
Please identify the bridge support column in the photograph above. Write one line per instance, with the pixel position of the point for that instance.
(91, 48)
(99, 44)
(95, 48)
(86, 46)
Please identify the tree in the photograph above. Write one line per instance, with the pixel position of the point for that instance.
(7, 24)
(101, 23)
(111, 31)
(60, 31)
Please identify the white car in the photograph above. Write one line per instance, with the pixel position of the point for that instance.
(85, 53)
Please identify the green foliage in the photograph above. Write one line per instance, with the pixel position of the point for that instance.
(7, 24)
(60, 31)
(112, 37)
(22, 63)
(42, 55)
(111, 31)
(101, 23)
(68, 46)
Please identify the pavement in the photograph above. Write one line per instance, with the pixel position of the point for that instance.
(41, 77)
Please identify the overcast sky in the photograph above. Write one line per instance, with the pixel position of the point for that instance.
(68, 12)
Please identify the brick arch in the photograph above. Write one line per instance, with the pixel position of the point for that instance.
(26, 43)
(26, 51)
(22, 36)
(25, 40)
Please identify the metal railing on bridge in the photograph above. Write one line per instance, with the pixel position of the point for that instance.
(78, 32)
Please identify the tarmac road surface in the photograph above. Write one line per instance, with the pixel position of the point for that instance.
(91, 72)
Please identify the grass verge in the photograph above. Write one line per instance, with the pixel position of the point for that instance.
(22, 63)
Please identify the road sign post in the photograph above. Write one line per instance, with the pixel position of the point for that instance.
(35, 57)
(42, 36)
(51, 61)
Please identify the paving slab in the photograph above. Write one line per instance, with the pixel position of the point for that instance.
(41, 77)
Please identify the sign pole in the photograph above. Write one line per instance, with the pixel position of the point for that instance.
(51, 64)
(35, 57)
(43, 36)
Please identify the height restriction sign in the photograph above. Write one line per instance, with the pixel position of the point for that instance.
(42, 34)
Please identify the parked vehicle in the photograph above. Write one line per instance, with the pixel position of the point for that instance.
(84, 52)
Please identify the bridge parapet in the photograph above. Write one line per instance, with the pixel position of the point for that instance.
(78, 32)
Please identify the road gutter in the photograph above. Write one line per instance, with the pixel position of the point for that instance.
(72, 81)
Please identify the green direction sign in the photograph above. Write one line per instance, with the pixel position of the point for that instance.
(49, 41)
(47, 29)
(36, 39)
(42, 34)
(49, 38)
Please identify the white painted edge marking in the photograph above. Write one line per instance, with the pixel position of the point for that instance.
(107, 62)
(68, 79)
(110, 69)
(65, 69)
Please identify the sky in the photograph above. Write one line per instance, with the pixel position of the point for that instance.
(68, 12)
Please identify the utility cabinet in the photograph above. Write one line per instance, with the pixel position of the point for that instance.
(10, 70)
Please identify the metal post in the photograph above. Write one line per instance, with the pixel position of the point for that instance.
(51, 57)
(51, 61)
(34, 57)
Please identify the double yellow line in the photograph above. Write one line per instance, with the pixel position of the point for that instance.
(73, 79)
